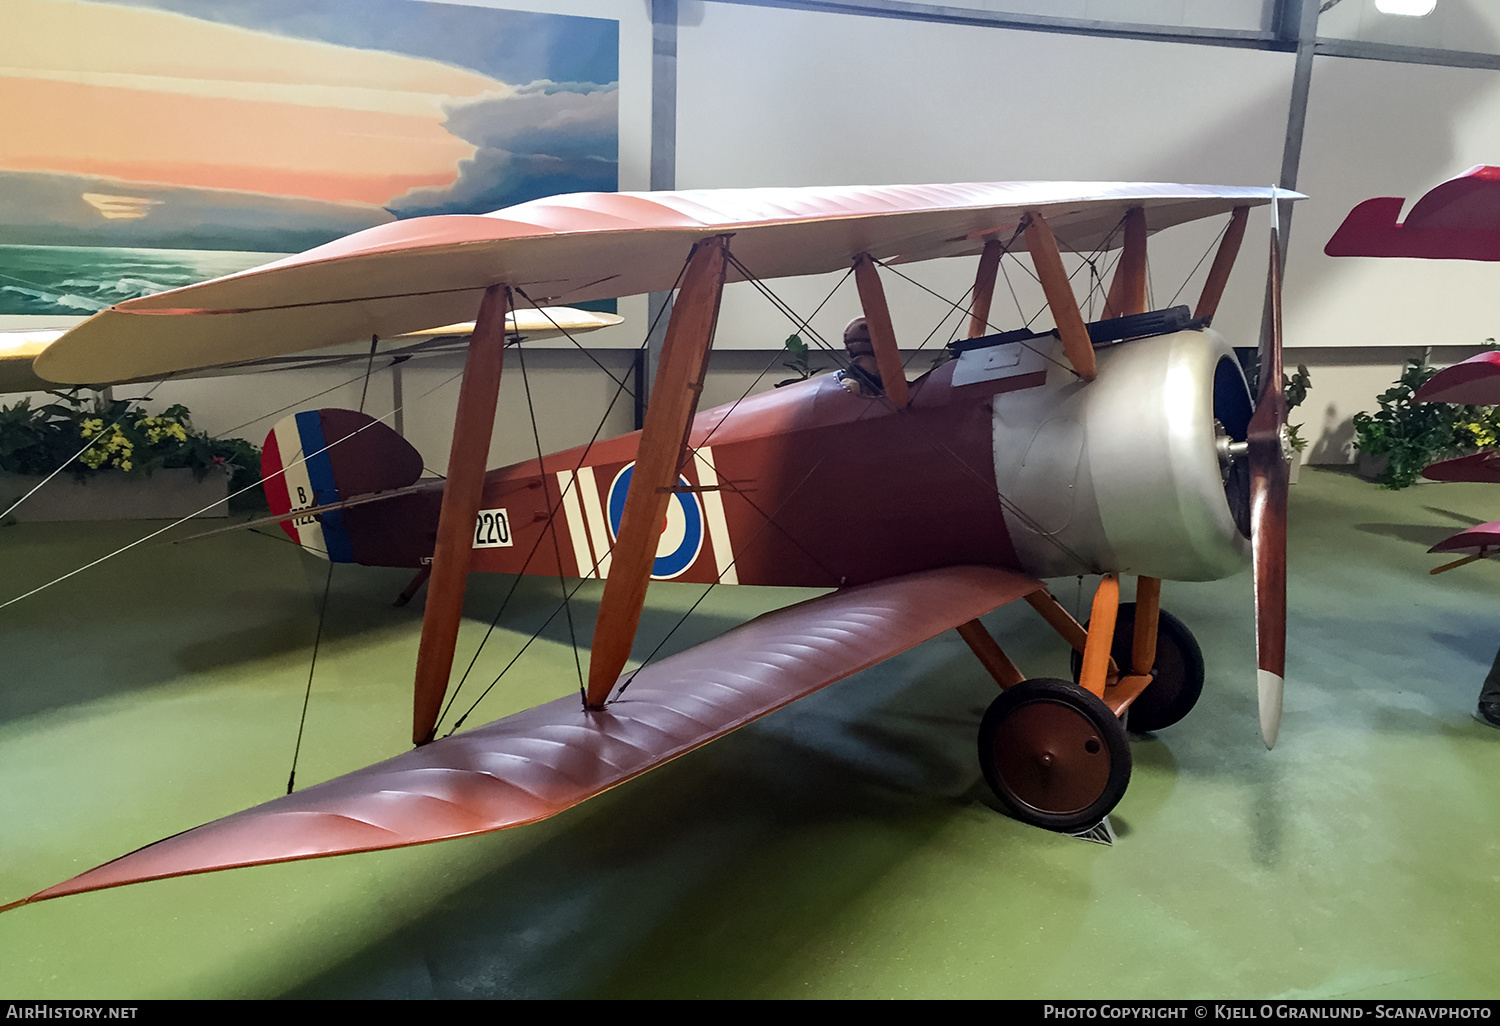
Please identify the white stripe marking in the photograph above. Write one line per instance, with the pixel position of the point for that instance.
(574, 515)
(593, 508)
(713, 511)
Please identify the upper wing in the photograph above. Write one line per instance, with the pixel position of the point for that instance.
(410, 274)
(19, 349)
(537, 763)
(1457, 220)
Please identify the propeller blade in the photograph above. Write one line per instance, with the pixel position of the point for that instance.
(1269, 451)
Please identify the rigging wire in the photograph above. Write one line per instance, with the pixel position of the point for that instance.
(937, 442)
(551, 527)
(95, 439)
(576, 344)
(694, 453)
(552, 513)
(1211, 247)
(1045, 356)
(291, 779)
(179, 522)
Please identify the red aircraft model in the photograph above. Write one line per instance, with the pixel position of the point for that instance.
(1130, 445)
(1457, 220)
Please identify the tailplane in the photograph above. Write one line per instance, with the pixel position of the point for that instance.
(320, 457)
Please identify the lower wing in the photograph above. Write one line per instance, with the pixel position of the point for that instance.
(537, 763)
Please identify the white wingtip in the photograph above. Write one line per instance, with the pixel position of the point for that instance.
(1269, 687)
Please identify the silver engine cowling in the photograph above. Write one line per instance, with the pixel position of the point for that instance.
(1135, 472)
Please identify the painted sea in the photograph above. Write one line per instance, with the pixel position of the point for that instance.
(75, 281)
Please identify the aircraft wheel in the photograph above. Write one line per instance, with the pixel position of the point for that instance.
(1178, 670)
(1054, 754)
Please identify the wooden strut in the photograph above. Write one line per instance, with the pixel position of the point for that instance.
(882, 331)
(669, 417)
(1065, 313)
(1464, 561)
(1127, 291)
(473, 424)
(1060, 620)
(984, 289)
(989, 652)
(1128, 688)
(1101, 635)
(1218, 272)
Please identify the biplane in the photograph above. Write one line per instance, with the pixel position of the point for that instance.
(1126, 445)
(1456, 220)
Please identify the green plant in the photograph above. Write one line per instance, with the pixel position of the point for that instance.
(1413, 435)
(89, 436)
(1294, 387)
(799, 361)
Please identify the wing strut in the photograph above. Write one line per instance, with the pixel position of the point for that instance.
(882, 331)
(679, 382)
(1127, 291)
(984, 289)
(1065, 313)
(462, 492)
(1218, 272)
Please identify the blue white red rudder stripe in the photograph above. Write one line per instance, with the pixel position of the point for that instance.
(320, 457)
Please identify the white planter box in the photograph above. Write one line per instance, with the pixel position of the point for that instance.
(116, 495)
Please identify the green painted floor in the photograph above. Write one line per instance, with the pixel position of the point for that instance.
(844, 847)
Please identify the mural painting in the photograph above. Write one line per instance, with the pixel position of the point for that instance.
(149, 144)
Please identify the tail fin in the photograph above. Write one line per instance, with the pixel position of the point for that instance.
(324, 456)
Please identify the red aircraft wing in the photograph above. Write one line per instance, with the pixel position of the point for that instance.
(1457, 220)
(410, 275)
(539, 762)
(1475, 381)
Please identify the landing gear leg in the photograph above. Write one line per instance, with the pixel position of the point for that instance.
(410, 591)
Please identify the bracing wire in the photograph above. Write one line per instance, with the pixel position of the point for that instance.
(312, 668)
(95, 439)
(769, 518)
(551, 527)
(1211, 247)
(552, 513)
(937, 443)
(197, 513)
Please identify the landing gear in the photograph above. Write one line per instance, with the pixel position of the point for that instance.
(1178, 670)
(1054, 754)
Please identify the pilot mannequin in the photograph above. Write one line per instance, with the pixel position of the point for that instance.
(862, 376)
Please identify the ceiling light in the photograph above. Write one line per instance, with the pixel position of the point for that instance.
(1409, 8)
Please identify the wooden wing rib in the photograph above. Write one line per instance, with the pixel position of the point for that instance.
(412, 274)
(537, 763)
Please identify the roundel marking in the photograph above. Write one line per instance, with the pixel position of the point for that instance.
(681, 532)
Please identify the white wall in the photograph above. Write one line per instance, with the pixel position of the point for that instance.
(783, 97)
(769, 96)
(1381, 129)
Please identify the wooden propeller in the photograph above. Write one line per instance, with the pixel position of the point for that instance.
(1269, 451)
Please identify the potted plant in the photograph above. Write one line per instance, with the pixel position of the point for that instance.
(1401, 438)
(1294, 387)
(109, 449)
(798, 361)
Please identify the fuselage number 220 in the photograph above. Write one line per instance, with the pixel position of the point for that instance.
(492, 529)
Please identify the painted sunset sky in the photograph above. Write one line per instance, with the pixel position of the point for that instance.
(275, 125)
